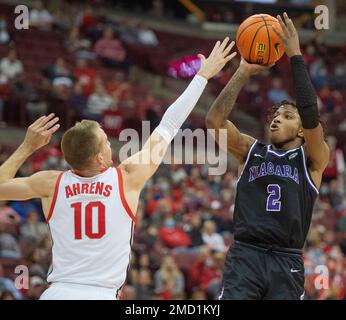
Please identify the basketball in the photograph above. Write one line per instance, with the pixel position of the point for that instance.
(257, 41)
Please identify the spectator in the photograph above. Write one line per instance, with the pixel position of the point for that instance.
(128, 31)
(118, 87)
(23, 209)
(79, 45)
(98, 102)
(40, 16)
(212, 239)
(59, 73)
(213, 288)
(5, 36)
(8, 290)
(111, 51)
(195, 231)
(144, 288)
(85, 76)
(314, 252)
(8, 215)
(146, 36)
(336, 164)
(203, 270)
(331, 99)
(11, 67)
(172, 235)
(9, 247)
(152, 115)
(334, 195)
(151, 236)
(129, 293)
(6, 295)
(34, 229)
(86, 20)
(198, 295)
(169, 271)
(38, 261)
(144, 261)
(37, 286)
(78, 101)
(37, 106)
(277, 93)
(61, 20)
(318, 72)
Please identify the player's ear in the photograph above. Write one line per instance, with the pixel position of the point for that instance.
(99, 158)
(301, 133)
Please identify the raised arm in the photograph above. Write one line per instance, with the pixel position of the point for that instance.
(238, 144)
(316, 149)
(38, 185)
(140, 167)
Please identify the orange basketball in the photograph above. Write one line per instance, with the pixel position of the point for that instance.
(256, 40)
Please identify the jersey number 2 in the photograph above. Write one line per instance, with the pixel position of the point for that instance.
(101, 225)
(273, 200)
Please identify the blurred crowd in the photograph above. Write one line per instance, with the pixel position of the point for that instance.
(185, 216)
(230, 12)
(80, 70)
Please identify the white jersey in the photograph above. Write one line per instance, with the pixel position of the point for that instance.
(91, 226)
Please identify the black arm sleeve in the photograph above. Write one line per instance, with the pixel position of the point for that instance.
(305, 93)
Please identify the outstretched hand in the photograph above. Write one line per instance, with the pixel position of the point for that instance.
(40, 132)
(251, 69)
(217, 59)
(288, 36)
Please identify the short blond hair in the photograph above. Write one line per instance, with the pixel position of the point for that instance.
(80, 144)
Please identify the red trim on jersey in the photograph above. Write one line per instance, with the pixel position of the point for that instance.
(77, 174)
(121, 296)
(122, 196)
(54, 197)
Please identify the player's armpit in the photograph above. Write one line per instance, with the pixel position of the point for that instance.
(140, 167)
(238, 144)
(316, 149)
(39, 185)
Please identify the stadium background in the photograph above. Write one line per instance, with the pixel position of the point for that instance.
(185, 216)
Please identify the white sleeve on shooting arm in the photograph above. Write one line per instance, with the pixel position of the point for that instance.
(178, 112)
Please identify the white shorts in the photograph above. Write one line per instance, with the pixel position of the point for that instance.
(71, 291)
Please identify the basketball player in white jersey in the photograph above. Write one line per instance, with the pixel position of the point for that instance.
(90, 210)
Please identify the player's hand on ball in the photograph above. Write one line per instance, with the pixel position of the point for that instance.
(288, 36)
(250, 69)
(40, 132)
(217, 59)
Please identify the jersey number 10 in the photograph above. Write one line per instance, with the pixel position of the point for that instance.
(88, 216)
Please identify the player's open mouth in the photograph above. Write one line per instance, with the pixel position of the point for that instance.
(274, 127)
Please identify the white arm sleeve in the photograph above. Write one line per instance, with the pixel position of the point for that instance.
(178, 112)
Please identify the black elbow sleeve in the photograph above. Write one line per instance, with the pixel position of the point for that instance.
(306, 98)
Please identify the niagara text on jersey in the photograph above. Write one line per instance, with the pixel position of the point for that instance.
(91, 226)
(275, 198)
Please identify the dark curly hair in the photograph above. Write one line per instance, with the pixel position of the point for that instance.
(276, 106)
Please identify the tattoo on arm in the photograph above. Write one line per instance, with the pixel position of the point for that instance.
(224, 103)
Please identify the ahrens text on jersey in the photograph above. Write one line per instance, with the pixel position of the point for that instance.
(98, 188)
